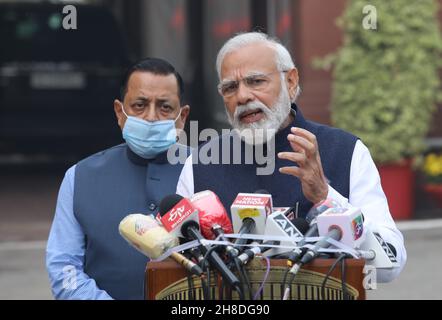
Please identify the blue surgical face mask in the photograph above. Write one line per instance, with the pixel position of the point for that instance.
(148, 139)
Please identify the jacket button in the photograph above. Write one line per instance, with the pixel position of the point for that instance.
(152, 206)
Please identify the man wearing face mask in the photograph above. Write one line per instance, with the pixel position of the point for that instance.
(86, 258)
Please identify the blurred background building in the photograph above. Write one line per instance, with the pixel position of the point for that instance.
(58, 85)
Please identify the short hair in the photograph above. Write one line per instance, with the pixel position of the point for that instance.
(155, 66)
(283, 58)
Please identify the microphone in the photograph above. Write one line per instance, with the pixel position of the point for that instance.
(213, 217)
(377, 252)
(311, 219)
(211, 213)
(277, 226)
(340, 224)
(249, 213)
(334, 233)
(189, 228)
(174, 211)
(350, 221)
(146, 235)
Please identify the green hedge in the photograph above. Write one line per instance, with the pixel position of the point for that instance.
(386, 81)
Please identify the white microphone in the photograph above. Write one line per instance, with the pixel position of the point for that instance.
(249, 212)
(277, 225)
(340, 224)
(376, 251)
(349, 221)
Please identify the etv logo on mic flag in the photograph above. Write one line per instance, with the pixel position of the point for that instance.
(174, 218)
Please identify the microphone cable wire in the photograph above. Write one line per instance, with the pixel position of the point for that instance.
(288, 289)
(284, 281)
(345, 294)
(207, 267)
(247, 279)
(191, 286)
(330, 270)
(243, 277)
(261, 288)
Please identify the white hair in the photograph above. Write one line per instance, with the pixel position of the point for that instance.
(283, 58)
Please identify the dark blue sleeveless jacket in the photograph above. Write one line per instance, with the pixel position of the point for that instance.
(108, 186)
(227, 180)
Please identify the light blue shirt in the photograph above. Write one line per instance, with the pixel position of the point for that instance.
(66, 249)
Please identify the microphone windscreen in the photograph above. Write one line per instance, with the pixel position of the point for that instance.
(301, 224)
(208, 220)
(168, 203)
(146, 235)
(211, 212)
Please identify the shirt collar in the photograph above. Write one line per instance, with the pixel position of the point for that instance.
(136, 159)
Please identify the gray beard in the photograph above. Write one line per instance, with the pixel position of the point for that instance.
(262, 131)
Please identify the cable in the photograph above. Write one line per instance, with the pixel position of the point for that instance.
(242, 277)
(206, 291)
(333, 266)
(190, 286)
(248, 283)
(240, 292)
(221, 289)
(261, 288)
(345, 294)
(237, 288)
(284, 281)
(289, 286)
(206, 266)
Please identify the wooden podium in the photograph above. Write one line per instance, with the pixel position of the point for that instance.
(167, 280)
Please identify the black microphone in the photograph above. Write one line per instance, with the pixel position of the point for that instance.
(335, 233)
(249, 213)
(169, 207)
(279, 228)
(219, 232)
(310, 218)
(247, 227)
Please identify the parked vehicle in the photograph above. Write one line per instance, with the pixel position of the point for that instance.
(57, 86)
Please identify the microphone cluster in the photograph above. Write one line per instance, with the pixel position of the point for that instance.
(256, 225)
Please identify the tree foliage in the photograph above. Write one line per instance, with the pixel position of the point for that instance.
(386, 81)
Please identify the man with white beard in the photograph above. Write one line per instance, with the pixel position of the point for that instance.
(259, 84)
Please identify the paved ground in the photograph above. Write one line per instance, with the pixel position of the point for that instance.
(421, 277)
(22, 273)
(27, 202)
